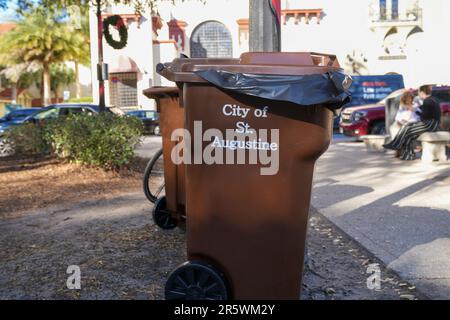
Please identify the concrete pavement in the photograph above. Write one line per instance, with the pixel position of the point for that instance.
(148, 146)
(397, 210)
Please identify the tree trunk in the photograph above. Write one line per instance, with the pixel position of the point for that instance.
(46, 82)
(77, 81)
(41, 89)
(57, 95)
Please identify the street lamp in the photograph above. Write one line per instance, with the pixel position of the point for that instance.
(101, 70)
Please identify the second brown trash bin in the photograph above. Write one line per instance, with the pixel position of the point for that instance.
(169, 210)
(246, 231)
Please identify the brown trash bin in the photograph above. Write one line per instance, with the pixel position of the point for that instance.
(169, 210)
(246, 231)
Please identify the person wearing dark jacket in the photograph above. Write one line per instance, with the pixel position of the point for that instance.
(430, 115)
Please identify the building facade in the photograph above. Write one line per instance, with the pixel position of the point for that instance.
(375, 36)
(368, 36)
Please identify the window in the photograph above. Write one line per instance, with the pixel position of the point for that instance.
(47, 114)
(88, 111)
(383, 10)
(394, 9)
(19, 114)
(69, 111)
(211, 39)
(442, 95)
(123, 89)
(151, 115)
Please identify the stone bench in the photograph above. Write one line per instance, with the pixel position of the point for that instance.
(433, 145)
(374, 143)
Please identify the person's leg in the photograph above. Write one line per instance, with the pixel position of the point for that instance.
(402, 153)
(408, 150)
(398, 141)
(412, 134)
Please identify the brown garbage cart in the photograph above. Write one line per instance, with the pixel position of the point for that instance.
(246, 230)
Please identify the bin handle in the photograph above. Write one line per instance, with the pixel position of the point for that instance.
(163, 69)
(331, 57)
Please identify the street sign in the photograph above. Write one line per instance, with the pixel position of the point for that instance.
(66, 95)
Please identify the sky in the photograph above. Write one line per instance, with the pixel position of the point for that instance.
(8, 14)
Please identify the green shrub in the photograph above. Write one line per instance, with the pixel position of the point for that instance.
(28, 139)
(105, 140)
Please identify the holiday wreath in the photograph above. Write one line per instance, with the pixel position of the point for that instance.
(117, 22)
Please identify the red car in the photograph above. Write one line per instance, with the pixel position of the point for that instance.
(370, 119)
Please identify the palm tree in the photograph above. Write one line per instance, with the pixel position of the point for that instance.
(41, 38)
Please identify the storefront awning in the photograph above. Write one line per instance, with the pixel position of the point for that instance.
(123, 64)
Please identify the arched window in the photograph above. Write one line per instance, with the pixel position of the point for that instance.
(211, 39)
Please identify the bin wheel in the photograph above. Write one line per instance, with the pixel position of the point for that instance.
(194, 280)
(153, 181)
(161, 216)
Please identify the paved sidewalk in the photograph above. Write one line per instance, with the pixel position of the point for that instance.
(397, 210)
(148, 146)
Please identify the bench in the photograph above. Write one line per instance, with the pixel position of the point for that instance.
(374, 143)
(433, 145)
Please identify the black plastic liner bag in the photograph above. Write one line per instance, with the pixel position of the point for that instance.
(329, 88)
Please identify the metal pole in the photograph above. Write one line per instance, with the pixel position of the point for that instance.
(264, 29)
(101, 81)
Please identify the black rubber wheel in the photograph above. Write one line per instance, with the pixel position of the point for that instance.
(161, 216)
(153, 181)
(6, 147)
(194, 280)
(378, 128)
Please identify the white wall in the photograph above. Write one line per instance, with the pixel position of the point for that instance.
(195, 12)
(429, 58)
(85, 79)
(164, 52)
(345, 29)
(139, 48)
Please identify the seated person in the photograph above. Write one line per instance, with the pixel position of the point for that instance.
(430, 118)
(406, 113)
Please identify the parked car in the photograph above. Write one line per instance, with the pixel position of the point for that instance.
(371, 119)
(50, 112)
(150, 119)
(371, 89)
(18, 114)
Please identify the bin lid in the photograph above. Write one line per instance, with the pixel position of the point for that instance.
(161, 92)
(304, 78)
(282, 63)
(290, 59)
(175, 66)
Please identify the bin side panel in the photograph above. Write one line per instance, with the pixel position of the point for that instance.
(253, 226)
(171, 118)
